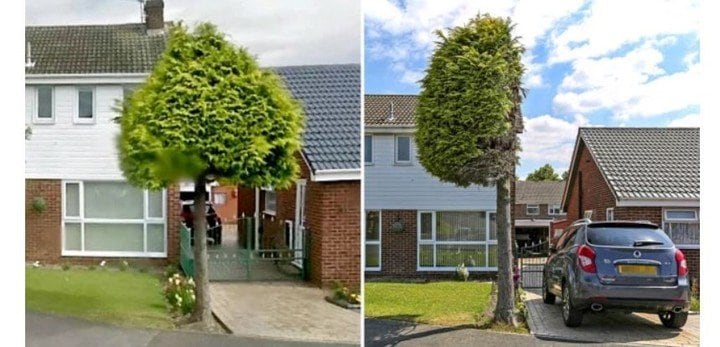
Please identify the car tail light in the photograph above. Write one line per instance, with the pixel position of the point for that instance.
(586, 259)
(682, 268)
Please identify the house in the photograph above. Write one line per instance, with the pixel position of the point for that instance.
(650, 174)
(537, 205)
(415, 225)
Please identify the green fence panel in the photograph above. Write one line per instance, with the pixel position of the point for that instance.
(187, 262)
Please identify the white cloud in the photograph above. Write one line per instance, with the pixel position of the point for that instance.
(550, 139)
(278, 32)
(690, 120)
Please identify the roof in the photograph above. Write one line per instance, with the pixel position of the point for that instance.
(390, 110)
(93, 49)
(543, 192)
(647, 163)
(331, 98)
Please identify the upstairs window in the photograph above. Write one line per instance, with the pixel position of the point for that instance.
(85, 105)
(402, 149)
(270, 202)
(44, 105)
(554, 210)
(368, 149)
(532, 210)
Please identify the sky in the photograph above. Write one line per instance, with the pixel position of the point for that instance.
(299, 32)
(588, 63)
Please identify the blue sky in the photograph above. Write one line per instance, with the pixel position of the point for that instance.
(589, 63)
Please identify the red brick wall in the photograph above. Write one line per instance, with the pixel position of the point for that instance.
(652, 214)
(693, 261)
(228, 210)
(596, 194)
(521, 209)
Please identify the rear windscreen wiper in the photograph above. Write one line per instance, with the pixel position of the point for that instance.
(647, 243)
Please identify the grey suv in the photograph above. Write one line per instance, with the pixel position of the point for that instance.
(628, 266)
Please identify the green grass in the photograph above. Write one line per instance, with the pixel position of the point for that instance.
(125, 298)
(441, 303)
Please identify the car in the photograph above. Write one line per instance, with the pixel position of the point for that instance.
(626, 266)
(214, 223)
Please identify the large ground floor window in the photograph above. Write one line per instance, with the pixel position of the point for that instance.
(111, 218)
(447, 239)
(372, 240)
(683, 227)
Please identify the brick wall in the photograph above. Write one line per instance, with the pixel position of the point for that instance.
(228, 210)
(596, 195)
(521, 209)
(652, 214)
(693, 261)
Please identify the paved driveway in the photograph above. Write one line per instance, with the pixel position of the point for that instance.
(283, 310)
(546, 322)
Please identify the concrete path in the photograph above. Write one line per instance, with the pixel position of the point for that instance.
(545, 321)
(286, 310)
(43, 330)
(396, 333)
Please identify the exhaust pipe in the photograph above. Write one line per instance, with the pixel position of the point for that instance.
(596, 307)
(677, 309)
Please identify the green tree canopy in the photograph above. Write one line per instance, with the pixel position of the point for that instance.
(565, 175)
(208, 108)
(544, 173)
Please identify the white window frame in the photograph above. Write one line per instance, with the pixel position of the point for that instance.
(267, 210)
(377, 242)
(551, 209)
(145, 221)
(403, 162)
(610, 214)
(216, 194)
(671, 220)
(527, 209)
(36, 105)
(76, 113)
(372, 149)
(487, 242)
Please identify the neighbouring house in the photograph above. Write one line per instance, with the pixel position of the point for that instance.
(225, 203)
(415, 225)
(650, 174)
(325, 200)
(537, 205)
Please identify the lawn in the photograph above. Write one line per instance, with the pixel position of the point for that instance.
(125, 298)
(441, 303)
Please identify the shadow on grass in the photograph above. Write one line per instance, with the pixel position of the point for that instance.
(393, 329)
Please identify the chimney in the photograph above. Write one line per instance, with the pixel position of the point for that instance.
(154, 21)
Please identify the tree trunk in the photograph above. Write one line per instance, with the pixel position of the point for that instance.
(505, 309)
(202, 311)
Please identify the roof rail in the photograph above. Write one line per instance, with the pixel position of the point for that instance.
(583, 220)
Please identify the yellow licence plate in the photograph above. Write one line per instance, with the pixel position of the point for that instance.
(637, 270)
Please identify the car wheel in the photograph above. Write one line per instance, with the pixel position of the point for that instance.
(572, 317)
(548, 298)
(673, 320)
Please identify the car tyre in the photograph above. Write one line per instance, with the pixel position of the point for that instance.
(572, 317)
(548, 298)
(673, 320)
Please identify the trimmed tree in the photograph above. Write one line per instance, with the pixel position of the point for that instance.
(209, 112)
(467, 120)
(544, 173)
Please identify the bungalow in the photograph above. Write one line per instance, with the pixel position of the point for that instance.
(648, 174)
(537, 205)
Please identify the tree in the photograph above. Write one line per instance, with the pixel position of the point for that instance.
(466, 122)
(206, 112)
(565, 175)
(544, 173)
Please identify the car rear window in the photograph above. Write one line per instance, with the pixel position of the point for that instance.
(627, 236)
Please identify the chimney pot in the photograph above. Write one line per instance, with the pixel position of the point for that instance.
(154, 19)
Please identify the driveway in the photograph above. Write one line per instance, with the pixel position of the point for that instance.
(545, 321)
(284, 310)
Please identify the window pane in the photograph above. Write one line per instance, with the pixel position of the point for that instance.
(403, 148)
(72, 237)
(368, 149)
(460, 226)
(372, 255)
(493, 227)
(270, 200)
(683, 233)
(156, 238)
(85, 104)
(114, 237)
(454, 255)
(372, 226)
(426, 255)
(680, 214)
(625, 236)
(219, 198)
(426, 226)
(492, 255)
(533, 209)
(44, 102)
(113, 200)
(155, 203)
(72, 200)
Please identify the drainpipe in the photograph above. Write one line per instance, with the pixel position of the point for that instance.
(257, 217)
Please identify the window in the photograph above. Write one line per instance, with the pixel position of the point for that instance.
(682, 226)
(111, 218)
(44, 106)
(85, 105)
(402, 149)
(554, 209)
(588, 214)
(368, 149)
(372, 240)
(610, 214)
(447, 239)
(270, 201)
(219, 198)
(532, 210)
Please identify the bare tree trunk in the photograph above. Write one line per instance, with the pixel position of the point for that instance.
(505, 309)
(202, 311)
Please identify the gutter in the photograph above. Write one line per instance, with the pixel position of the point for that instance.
(92, 78)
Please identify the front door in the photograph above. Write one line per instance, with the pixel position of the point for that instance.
(298, 238)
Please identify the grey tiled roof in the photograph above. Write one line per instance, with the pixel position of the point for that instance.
(331, 98)
(647, 163)
(85, 49)
(378, 110)
(546, 192)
